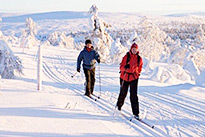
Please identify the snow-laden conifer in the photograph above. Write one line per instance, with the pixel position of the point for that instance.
(28, 38)
(9, 63)
(101, 39)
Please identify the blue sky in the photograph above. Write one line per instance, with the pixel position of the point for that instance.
(137, 6)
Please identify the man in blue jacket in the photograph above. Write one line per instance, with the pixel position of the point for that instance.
(89, 57)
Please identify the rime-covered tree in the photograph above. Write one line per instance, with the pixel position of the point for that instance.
(60, 39)
(28, 35)
(1, 34)
(200, 36)
(133, 38)
(189, 63)
(31, 27)
(117, 51)
(152, 41)
(101, 39)
(199, 56)
(0, 37)
(9, 63)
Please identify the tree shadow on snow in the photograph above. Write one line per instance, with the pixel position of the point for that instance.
(43, 112)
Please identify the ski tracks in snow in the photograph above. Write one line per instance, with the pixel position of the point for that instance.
(59, 69)
(166, 112)
(181, 112)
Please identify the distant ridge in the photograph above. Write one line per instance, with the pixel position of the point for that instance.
(187, 14)
(60, 15)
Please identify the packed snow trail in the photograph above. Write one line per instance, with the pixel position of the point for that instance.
(27, 112)
(103, 105)
(61, 109)
(110, 89)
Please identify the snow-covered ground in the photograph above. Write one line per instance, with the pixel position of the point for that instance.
(171, 86)
(61, 109)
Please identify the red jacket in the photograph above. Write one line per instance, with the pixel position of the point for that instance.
(133, 72)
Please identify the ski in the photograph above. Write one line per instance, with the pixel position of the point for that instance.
(140, 120)
(96, 96)
(91, 98)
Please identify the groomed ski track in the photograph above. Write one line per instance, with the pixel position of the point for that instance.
(169, 111)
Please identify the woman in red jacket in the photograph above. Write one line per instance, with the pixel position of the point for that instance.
(130, 68)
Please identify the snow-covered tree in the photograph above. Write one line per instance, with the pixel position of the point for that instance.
(152, 41)
(200, 36)
(177, 56)
(133, 38)
(10, 40)
(28, 35)
(117, 51)
(1, 34)
(190, 65)
(0, 37)
(199, 56)
(61, 40)
(9, 63)
(101, 39)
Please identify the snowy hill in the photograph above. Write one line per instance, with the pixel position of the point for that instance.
(48, 15)
(60, 15)
(63, 15)
(187, 14)
(61, 109)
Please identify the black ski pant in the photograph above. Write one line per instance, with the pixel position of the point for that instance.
(90, 81)
(133, 95)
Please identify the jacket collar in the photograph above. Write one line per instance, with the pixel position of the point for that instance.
(86, 47)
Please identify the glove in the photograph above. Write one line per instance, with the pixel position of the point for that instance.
(127, 66)
(98, 60)
(78, 70)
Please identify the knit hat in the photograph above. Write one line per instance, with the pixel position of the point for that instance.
(88, 42)
(134, 45)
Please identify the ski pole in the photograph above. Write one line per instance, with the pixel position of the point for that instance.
(74, 74)
(99, 79)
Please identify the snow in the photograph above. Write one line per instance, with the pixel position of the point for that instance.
(61, 109)
(171, 85)
(169, 73)
(200, 79)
